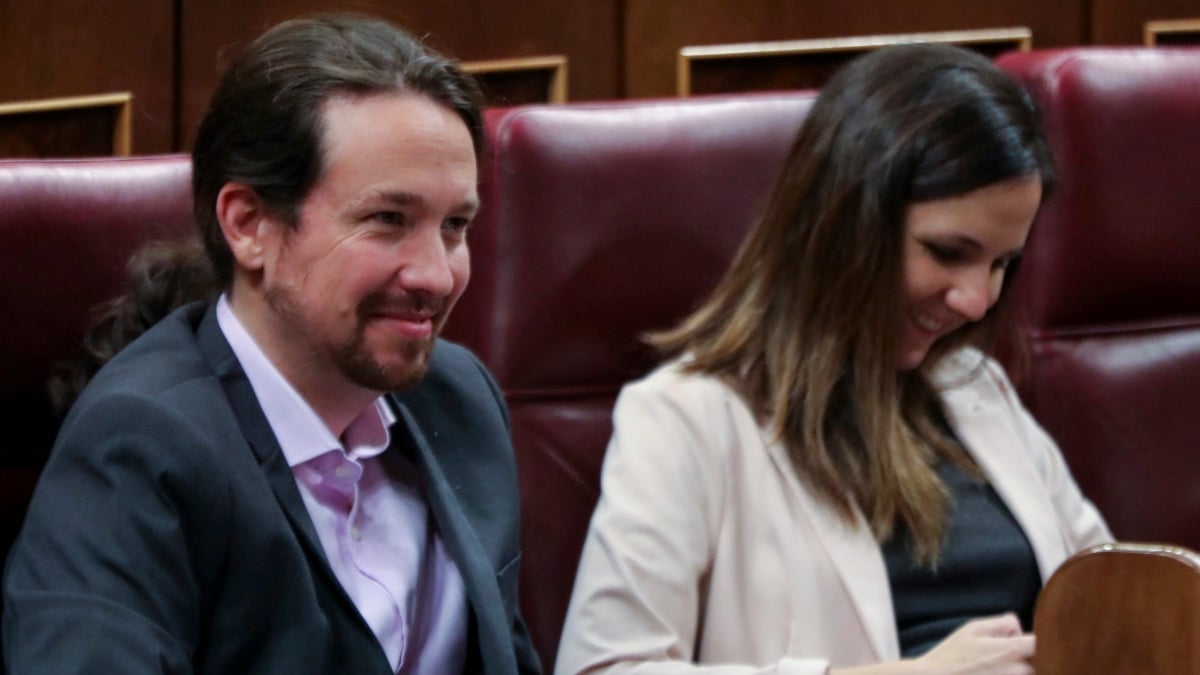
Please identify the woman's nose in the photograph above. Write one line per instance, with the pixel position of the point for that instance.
(974, 292)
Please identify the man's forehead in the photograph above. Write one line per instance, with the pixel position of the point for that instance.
(402, 114)
(393, 130)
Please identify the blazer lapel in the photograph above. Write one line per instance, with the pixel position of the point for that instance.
(460, 539)
(258, 433)
(265, 447)
(986, 430)
(348, 624)
(854, 554)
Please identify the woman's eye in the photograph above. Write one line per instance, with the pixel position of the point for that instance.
(946, 254)
(1005, 263)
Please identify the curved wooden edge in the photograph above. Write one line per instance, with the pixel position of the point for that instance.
(122, 135)
(1121, 608)
(1180, 554)
(1153, 29)
(1020, 37)
(556, 64)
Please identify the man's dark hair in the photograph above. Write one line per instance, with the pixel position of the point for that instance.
(264, 129)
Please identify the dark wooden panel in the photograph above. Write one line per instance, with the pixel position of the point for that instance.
(1173, 33)
(1121, 22)
(509, 82)
(58, 133)
(585, 31)
(808, 64)
(1178, 39)
(57, 48)
(655, 30)
(514, 88)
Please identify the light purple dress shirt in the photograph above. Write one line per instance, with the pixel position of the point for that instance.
(370, 515)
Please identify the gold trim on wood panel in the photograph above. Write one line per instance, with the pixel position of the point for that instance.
(1021, 38)
(1170, 27)
(122, 135)
(556, 65)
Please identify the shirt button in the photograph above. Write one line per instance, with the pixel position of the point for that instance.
(356, 534)
(343, 471)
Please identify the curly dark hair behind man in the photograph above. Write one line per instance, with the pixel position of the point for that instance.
(163, 276)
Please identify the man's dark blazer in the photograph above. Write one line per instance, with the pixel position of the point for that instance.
(167, 534)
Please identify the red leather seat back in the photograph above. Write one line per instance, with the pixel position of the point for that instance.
(600, 222)
(1111, 281)
(66, 230)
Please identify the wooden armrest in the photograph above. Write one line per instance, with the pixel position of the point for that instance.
(1121, 608)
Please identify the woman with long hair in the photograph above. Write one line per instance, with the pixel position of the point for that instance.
(830, 475)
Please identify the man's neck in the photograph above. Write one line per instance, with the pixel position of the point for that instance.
(335, 399)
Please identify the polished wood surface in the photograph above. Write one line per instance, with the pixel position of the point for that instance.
(1175, 32)
(534, 79)
(169, 53)
(66, 48)
(808, 64)
(1123, 22)
(584, 32)
(656, 30)
(72, 126)
(1121, 609)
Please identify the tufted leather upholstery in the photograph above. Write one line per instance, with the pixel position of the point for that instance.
(603, 221)
(66, 229)
(600, 222)
(1110, 282)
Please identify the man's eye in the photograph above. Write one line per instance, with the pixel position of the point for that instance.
(389, 217)
(458, 225)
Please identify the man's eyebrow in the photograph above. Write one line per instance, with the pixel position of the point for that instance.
(397, 197)
(470, 205)
(402, 198)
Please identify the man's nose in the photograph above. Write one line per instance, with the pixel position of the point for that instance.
(426, 262)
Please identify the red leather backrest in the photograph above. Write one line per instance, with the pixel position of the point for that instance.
(600, 222)
(1111, 281)
(66, 230)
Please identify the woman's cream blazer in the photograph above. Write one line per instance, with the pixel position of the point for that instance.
(707, 554)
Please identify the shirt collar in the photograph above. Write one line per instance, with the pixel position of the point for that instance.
(301, 433)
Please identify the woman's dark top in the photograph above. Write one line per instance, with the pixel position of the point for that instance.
(986, 567)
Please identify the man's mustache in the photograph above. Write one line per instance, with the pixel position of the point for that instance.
(409, 304)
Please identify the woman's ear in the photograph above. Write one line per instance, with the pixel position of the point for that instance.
(247, 226)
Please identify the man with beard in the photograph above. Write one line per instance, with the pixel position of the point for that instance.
(294, 474)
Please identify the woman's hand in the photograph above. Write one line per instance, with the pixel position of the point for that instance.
(992, 646)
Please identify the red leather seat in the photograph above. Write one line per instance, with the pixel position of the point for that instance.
(600, 222)
(1110, 282)
(66, 230)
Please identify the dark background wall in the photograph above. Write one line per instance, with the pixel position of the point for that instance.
(170, 52)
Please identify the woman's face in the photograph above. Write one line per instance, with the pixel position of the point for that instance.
(956, 251)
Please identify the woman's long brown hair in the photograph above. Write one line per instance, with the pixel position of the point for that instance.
(804, 325)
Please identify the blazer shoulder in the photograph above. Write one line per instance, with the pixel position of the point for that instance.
(165, 356)
(456, 380)
(704, 399)
(456, 363)
(162, 383)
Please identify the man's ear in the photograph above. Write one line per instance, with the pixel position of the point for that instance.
(245, 223)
